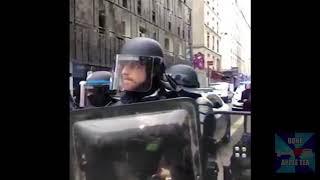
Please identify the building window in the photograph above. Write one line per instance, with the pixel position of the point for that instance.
(217, 45)
(139, 7)
(189, 34)
(168, 4)
(142, 31)
(179, 8)
(207, 23)
(208, 39)
(178, 31)
(123, 27)
(212, 8)
(182, 34)
(217, 27)
(207, 12)
(153, 16)
(154, 35)
(212, 18)
(212, 42)
(208, 55)
(125, 3)
(169, 26)
(166, 44)
(218, 64)
(102, 21)
(208, 2)
(184, 1)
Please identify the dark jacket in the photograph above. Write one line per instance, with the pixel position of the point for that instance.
(136, 97)
(207, 118)
(246, 95)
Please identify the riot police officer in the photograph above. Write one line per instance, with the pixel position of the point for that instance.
(186, 82)
(139, 71)
(185, 77)
(98, 89)
(138, 75)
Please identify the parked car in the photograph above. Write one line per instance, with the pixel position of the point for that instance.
(236, 105)
(224, 90)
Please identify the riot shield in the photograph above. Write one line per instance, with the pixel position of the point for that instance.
(150, 140)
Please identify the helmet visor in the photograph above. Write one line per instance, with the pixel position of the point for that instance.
(133, 73)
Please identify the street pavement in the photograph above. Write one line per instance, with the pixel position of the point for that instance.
(225, 151)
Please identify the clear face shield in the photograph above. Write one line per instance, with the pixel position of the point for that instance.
(133, 73)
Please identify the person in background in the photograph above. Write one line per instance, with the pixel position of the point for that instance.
(246, 98)
(98, 89)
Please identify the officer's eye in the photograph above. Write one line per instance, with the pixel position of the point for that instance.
(135, 65)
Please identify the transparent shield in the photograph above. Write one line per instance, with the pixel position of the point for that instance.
(134, 143)
(133, 73)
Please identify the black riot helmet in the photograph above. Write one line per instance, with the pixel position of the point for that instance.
(184, 75)
(98, 88)
(142, 46)
(99, 78)
(139, 66)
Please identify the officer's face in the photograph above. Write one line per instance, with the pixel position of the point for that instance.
(133, 75)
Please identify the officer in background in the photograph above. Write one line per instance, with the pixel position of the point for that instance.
(98, 89)
(185, 82)
(139, 70)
